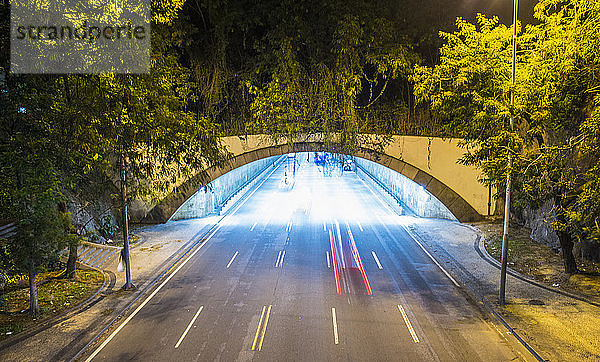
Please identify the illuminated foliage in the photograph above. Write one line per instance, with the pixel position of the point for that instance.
(63, 134)
(556, 111)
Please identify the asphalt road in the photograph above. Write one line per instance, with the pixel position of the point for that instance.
(321, 271)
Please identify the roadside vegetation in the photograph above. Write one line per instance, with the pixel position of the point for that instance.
(56, 295)
(555, 142)
(542, 263)
(62, 137)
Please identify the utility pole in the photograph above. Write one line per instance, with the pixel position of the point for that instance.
(510, 162)
(126, 260)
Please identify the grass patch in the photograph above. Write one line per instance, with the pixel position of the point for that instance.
(107, 311)
(540, 262)
(55, 296)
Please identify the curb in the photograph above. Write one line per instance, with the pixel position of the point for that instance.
(196, 241)
(475, 296)
(101, 246)
(496, 264)
(470, 293)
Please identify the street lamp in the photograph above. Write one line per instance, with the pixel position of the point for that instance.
(510, 161)
(125, 252)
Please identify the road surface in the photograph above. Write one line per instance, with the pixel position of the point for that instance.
(321, 271)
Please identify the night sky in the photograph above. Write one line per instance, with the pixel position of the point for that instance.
(501, 8)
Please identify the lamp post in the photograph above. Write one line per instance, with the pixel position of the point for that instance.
(510, 161)
(126, 259)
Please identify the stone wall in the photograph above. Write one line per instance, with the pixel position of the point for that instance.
(540, 222)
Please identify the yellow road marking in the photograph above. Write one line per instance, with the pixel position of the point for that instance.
(258, 328)
(262, 336)
(408, 325)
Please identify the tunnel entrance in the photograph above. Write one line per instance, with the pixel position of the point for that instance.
(400, 193)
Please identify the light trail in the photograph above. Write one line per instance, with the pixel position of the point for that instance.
(335, 267)
(360, 265)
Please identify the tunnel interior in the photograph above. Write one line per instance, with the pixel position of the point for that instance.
(405, 196)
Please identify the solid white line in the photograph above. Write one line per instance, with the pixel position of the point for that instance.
(376, 260)
(268, 220)
(431, 257)
(359, 225)
(408, 325)
(253, 191)
(324, 226)
(232, 258)
(335, 329)
(378, 198)
(113, 334)
(189, 326)
(328, 262)
(253, 226)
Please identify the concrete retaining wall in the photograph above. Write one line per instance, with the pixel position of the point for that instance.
(211, 198)
(404, 190)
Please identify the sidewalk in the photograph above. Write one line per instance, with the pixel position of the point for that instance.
(562, 329)
(157, 248)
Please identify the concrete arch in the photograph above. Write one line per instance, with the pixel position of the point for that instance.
(459, 207)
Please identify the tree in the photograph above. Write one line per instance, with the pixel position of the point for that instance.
(59, 133)
(325, 96)
(562, 93)
(555, 111)
(136, 126)
(29, 184)
(323, 56)
(469, 90)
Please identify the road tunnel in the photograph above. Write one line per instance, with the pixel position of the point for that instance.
(405, 196)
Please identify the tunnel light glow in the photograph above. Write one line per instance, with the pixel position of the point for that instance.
(303, 186)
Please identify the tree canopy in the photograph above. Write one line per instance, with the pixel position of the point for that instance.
(555, 143)
(62, 134)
